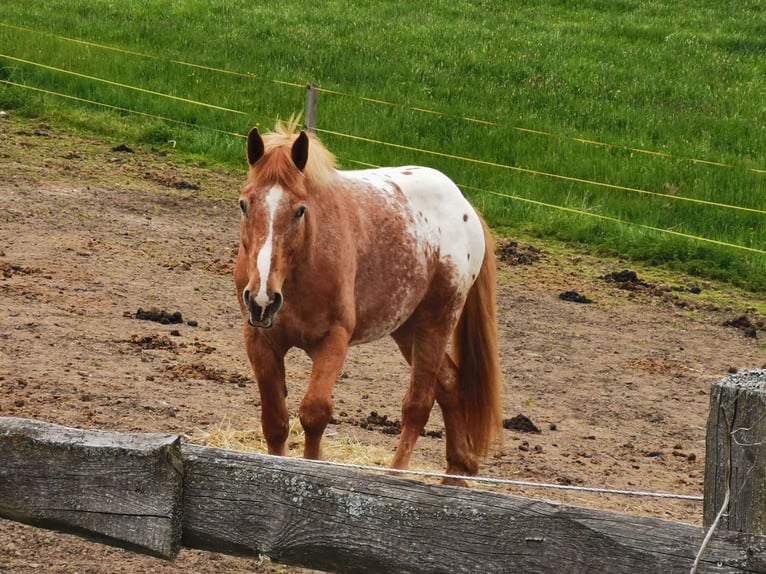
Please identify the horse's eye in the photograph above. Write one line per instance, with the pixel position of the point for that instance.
(300, 211)
(243, 206)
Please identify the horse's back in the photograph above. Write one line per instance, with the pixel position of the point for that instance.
(441, 218)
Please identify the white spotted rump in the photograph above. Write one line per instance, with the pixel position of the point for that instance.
(442, 219)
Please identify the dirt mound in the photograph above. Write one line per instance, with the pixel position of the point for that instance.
(626, 279)
(512, 253)
(747, 325)
(159, 316)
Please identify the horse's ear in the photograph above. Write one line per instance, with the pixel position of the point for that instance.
(300, 151)
(255, 147)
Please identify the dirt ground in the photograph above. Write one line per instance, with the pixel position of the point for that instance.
(91, 232)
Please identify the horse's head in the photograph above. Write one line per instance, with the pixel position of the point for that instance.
(273, 226)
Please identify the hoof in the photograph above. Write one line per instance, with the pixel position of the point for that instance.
(455, 482)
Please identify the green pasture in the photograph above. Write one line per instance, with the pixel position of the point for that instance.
(637, 127)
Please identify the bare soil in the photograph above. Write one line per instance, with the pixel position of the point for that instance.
(118, 312)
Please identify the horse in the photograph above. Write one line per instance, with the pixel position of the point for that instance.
(331, 258)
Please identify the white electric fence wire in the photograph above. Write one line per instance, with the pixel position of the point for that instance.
(509, 482)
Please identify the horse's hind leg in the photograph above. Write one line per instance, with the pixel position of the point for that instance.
(419, 399)
(460, 458)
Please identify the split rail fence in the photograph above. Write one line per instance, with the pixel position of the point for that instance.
(150, 493)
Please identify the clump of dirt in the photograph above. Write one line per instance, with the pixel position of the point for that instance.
(748, 326)
(153, 341)
(574, 297)
(512, 253)
(626, 279)
(123, 148)
(202, 371)
(221, 266)
(629, 281)
(173, 181)
(159, 316)
(521, 423)
(8, 270)
(525, 447)
(381, 423)
(199, 347)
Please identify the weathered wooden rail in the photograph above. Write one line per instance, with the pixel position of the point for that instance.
(152, 494)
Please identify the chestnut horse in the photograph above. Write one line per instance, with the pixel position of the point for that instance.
(331, 258)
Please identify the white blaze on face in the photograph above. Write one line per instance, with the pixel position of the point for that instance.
(263, 261)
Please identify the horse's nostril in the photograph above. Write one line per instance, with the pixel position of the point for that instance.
(246, 296)
(277, 303)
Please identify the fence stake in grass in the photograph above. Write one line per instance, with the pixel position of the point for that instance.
(312, 94)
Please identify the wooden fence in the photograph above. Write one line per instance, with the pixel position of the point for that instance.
(153, 494)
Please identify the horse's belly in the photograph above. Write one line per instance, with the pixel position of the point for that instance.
(368, 332)
(386, 300)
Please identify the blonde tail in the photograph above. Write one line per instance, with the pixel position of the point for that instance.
(476, 353)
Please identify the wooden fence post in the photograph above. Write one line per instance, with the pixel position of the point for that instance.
(125, 490)
(312, 95)
(736, 453)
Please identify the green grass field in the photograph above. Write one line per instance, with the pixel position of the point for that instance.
(602, 122)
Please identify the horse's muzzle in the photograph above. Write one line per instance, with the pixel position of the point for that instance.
(261, 317)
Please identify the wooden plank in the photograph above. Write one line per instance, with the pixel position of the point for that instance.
(736, 451)
(125, 490)
(323, 517)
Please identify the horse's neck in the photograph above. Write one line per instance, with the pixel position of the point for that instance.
(333, 223)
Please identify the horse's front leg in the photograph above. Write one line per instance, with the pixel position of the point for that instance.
(316, 407)
(269, 372)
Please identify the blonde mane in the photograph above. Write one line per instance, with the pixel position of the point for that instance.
(320, 169)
